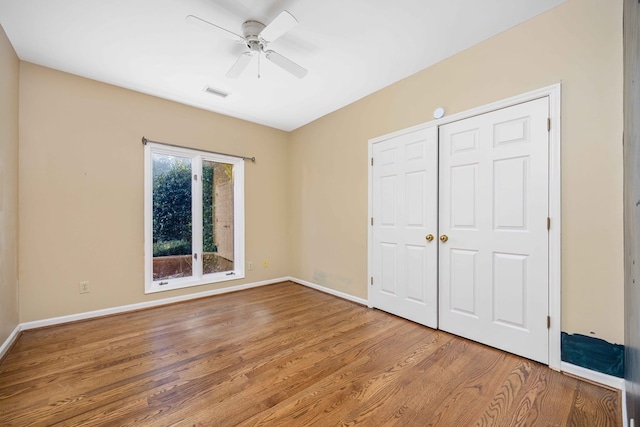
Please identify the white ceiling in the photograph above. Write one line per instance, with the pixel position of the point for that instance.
(350, 47)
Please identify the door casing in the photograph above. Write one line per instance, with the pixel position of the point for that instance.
(553, 92)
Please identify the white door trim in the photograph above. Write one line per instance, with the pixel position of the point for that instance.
(553, 92)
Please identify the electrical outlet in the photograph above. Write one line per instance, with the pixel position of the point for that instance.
(250, 265)
(84, 287)
(265, 263)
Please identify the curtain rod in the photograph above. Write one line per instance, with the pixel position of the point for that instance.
(145, 141)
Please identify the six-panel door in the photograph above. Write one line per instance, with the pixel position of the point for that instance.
(404, 207)
(493, 209)
(480, 188)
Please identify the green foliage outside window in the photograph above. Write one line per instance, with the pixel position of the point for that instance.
(208, 244)
(171, 206)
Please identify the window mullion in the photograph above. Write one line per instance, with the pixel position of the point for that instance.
(238, 220)
(196, 214)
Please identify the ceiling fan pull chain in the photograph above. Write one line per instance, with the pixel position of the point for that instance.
(259, 64)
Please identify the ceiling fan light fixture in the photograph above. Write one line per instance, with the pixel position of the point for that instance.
(217, 92)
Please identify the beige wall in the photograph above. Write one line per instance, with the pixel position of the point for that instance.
(81, 171)
(9, 81)
(81, 190)
(579, 44)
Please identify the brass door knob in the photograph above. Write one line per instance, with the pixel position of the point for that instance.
(429, 237)
(444, 238)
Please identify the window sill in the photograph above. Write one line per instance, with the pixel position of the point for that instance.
(191, 282)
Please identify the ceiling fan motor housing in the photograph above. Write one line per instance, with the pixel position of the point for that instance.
(251, 31)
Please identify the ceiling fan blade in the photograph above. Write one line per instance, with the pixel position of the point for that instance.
(286, 64)
(238, 67)
(209, 26)
(283, 23)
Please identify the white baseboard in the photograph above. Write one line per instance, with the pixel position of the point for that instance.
(142, 305)
(593, 376)
(156, 303)
(587, 374)
(330, 291)
(6, 345)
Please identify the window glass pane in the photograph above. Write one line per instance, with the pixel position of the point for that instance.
(217, 217)
(172, 251)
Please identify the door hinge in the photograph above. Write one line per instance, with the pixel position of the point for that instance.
(371, 280)
(548, 223)
(371, 220)
(548, 322)
(372, 161)
(548, 124)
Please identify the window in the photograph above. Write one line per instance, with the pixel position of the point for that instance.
(194, 218)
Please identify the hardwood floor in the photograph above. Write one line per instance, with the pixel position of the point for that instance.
(281, 355)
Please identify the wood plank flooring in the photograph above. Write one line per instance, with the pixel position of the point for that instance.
(280, 355)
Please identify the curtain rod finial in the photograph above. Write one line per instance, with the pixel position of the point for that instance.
(144, 141)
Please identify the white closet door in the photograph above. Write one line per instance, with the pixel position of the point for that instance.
(404, 206)
(493, 211)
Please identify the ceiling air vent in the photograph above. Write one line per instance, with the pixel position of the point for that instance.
(217, 92)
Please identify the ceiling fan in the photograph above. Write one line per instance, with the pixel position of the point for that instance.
(257, 36)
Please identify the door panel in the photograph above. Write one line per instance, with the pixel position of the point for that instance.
(464, 203)
(493, 203)
(463, 281)
(389, 272)
(509, 300)
(415, 272)
(510, 184)
(404, 206)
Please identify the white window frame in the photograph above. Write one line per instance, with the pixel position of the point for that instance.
(197, 279)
